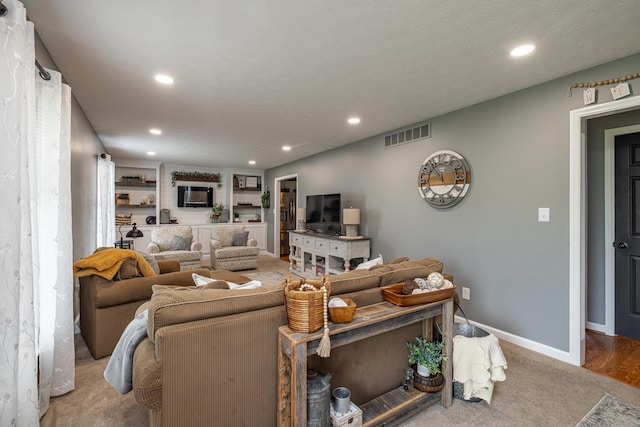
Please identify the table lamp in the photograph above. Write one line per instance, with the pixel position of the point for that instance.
(135, 233)
(351, 220)
(301, 218)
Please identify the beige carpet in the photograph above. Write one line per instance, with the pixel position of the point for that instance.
(538, 391)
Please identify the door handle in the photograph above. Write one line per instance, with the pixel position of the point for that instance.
(623, 245)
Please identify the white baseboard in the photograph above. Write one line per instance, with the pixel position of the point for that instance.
(522, 342)
(597, 327)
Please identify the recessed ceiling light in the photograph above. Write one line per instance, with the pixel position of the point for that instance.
(525, 49)
(354, 120)
(151, 153)
(164, 79)
(155, 131)
(252, 162)
(286, 148)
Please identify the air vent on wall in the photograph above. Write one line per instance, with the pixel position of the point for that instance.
(407, 135)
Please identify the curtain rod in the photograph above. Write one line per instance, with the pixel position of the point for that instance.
(43, 73)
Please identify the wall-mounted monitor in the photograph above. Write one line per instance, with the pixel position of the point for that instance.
(324, 213)
(195, 197)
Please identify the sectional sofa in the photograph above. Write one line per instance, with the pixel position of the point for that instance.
(211, 355)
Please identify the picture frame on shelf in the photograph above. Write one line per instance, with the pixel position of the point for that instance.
(252, 182)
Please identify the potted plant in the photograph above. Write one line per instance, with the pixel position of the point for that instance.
(216, 210)
(265, 199)
(428, 357)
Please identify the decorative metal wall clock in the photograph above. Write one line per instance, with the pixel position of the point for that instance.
(444, 179)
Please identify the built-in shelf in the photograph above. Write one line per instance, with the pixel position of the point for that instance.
(136, 184)
(136, 206)
(246, 207)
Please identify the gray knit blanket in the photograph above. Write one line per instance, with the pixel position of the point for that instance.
(119, 370)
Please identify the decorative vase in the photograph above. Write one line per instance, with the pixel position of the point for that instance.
(429, 384)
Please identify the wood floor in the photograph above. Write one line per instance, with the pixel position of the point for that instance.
(615, 357)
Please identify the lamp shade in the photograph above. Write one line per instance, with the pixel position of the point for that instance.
(351, 216)
(135, 233)
(301, 214)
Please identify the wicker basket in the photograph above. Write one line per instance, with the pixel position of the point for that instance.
(305, 308)
(123, 219)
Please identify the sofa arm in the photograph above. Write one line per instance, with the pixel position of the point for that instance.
(108, 294)
(252, 242)
(215, 244)
(153, 248)
(168, 265)
(196, 246)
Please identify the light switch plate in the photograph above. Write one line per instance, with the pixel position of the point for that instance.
(543, 215)
(466, 293)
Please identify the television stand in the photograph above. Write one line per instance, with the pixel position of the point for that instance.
(315, 255)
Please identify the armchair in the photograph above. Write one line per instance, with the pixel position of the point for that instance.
(176, 242)
(231, 249)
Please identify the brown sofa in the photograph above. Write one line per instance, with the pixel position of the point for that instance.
(107, 306)
(211, 357)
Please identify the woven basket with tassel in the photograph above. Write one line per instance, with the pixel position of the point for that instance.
(305, 307)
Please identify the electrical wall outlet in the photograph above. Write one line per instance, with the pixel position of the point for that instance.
(466, 293)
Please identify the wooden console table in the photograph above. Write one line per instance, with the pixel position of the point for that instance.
(388, 409)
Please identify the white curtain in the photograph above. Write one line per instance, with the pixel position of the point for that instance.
(36, 282)
(106, 221)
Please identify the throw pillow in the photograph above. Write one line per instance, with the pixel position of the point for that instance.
(203, 282)
(240, 238)
(370, 263)
(249, 285)
(128, 270)
(151, 260)
(181, 243)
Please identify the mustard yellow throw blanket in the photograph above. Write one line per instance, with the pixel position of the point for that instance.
(107, 263)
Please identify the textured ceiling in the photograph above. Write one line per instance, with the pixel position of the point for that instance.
(251, 76)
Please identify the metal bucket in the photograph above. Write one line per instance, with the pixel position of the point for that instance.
(318, 399)
(470, 331)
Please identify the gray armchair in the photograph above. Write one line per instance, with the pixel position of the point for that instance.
(231, 248)
(176, 242)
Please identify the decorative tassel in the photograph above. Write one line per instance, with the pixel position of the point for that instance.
(324, 349)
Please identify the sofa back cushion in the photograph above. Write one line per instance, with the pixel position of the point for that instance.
(353, 281)
(174, 306)
(407, 270)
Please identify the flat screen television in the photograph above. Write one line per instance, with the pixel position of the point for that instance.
(324, 213)
(195, 197)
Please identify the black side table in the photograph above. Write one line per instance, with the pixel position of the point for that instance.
(124, 244)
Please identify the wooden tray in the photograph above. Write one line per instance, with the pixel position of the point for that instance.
(393, 294)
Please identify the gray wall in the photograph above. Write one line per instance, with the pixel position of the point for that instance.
(596, 207)
(85, 145)
(518, 149)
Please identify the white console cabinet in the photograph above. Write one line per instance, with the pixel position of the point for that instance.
(314, 255)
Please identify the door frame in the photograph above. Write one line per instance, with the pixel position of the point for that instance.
(276, 209)
(609, 224)
(577, 217)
